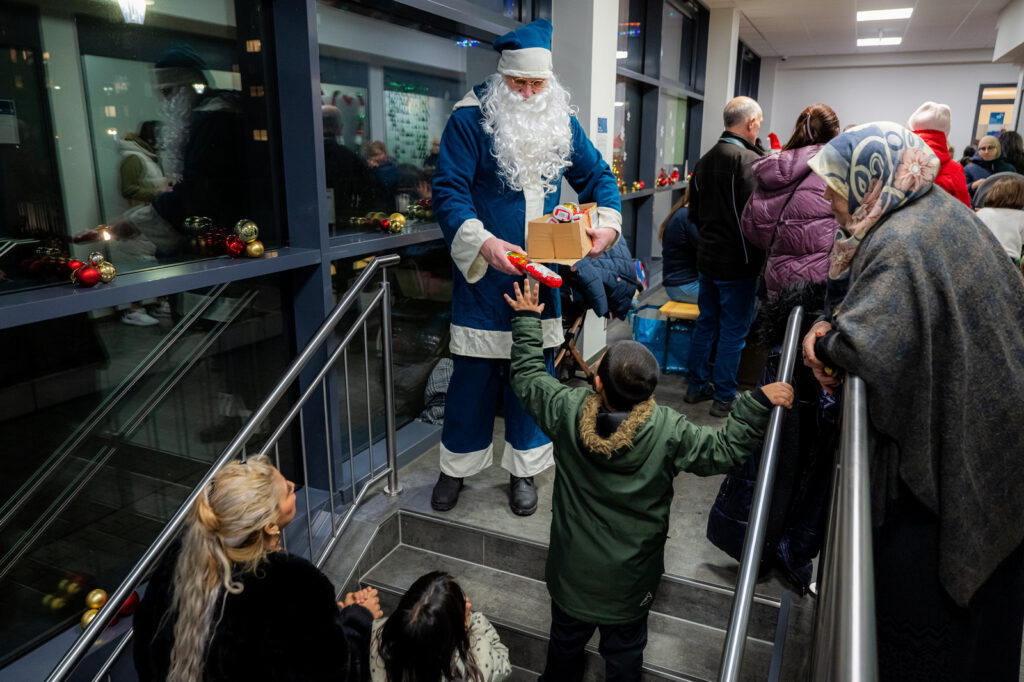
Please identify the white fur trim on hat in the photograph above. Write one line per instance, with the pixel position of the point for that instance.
(930, 116)
(529, 62)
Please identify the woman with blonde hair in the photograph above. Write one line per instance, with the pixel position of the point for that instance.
(227, 604)
(987, 161)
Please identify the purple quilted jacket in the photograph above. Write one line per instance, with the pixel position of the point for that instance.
(796, 236)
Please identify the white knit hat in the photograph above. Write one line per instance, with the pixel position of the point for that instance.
(930, 116)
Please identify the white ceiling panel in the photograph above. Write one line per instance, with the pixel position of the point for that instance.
(827, 27)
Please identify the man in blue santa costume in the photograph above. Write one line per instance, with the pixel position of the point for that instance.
(507, 146)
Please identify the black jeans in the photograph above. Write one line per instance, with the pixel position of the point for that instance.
(621, 647)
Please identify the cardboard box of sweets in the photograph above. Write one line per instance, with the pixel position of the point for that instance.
(563, 243)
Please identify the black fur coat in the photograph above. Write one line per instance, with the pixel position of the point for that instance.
(284, 625)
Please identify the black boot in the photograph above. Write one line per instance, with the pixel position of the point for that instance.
(446, 492)
(522, 495)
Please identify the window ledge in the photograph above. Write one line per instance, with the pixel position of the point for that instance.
(34, 305)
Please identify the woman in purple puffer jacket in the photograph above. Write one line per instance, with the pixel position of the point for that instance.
(787, 215)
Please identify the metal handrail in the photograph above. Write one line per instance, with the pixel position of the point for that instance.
(845, 646)
(753, 543)
(85, 640)
(31, 485)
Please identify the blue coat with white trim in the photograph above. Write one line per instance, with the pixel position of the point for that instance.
(471, 204)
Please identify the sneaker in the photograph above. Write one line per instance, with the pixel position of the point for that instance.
(162, 309)
(720, 408)
(693, 395)
(522, 495)
(139, 318)
(446, 492)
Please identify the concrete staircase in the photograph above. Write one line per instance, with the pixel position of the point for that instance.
(504, 578)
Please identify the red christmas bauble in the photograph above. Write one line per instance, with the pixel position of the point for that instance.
(86, 276)
(74, 264)
(383, 224)
(234, 246)
(128, 608)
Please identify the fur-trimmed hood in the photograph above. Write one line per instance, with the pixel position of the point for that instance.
(621, 440)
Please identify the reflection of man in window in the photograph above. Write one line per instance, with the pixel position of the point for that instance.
(201, 147)
(504, 152)
(347, 174)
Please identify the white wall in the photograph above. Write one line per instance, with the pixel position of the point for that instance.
(876, 90)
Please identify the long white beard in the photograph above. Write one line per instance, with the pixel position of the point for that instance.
(531, 138)
(172, 133)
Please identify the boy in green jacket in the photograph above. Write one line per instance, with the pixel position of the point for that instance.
(617, 453)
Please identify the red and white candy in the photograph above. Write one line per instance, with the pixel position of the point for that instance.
(566, 213)
(541, 273)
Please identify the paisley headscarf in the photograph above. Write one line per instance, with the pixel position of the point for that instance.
(879, 168)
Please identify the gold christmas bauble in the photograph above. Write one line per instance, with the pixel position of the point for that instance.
(254, 249)
(97, 257)
(396, 221)
(379, 215)
(57, 603)
(96, 599)
(246, 230)
(107, 271)
(88, 616)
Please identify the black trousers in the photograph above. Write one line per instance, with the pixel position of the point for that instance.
(621, 647)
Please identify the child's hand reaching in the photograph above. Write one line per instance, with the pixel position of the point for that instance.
(526, 300)
(779, 393)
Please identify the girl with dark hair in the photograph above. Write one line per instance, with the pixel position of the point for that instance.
(434, 636)
(679, 236)
(786, 215)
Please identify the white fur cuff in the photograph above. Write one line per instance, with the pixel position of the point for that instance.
(466, 250)
(609, 217)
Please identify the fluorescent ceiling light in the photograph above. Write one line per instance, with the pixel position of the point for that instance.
(621, 54)
(871, 42)
(884, 14)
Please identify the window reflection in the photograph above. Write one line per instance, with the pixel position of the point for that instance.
(390, 111)
(421, 314)
(630, 46)
(626, 149)
(672, 144)
(127, 465)
(131, 126)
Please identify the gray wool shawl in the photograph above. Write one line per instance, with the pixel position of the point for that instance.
(934, 324)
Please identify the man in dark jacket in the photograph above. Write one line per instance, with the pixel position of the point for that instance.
(727, 263)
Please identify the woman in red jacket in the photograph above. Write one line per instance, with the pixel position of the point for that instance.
(931, 123)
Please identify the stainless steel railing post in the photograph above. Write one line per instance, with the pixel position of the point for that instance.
(392, 488)
(736, 636)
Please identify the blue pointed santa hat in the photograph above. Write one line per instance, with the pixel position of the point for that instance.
(526, 51)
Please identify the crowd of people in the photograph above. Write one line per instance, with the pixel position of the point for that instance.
(907, 286)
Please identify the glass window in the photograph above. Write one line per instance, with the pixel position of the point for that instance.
(383, 115)
(626, 144)
(630, 49)
(132, 126)
(421, 314)
(748, 71)
(96, 475)
(672, 136)
(506, 8)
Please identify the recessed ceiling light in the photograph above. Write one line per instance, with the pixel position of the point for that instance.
(871, 42)
(883, 14)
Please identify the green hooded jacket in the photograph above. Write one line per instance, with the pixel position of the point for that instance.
(612, 495)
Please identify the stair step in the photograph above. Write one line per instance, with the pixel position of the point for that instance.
(519, 607)
(700, 602)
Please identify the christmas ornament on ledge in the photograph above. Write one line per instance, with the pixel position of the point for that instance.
(93, 271)
(673, 177)
(662, 180)
(245, 240)
(637, 186)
